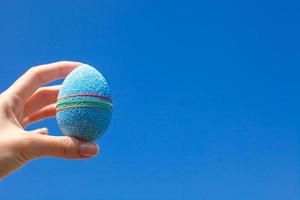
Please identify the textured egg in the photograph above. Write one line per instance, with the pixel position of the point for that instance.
(84, 104)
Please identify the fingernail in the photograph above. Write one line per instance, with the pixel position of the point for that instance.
(88, 149)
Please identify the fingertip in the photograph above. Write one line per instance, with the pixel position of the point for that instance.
(69, 67)
(44, 131)
(41, 131)
(88, 149)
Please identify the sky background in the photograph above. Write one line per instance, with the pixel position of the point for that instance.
(206, 97)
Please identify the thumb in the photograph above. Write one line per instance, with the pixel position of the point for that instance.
(61, 146)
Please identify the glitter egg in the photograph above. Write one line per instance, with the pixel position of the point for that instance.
(84, 104)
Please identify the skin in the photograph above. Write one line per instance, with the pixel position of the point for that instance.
(26, 102)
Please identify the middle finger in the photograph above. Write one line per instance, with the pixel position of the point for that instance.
(41, 98)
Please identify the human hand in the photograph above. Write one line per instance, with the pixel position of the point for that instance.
(25, 102)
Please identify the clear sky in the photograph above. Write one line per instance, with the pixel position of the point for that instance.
(206, 97)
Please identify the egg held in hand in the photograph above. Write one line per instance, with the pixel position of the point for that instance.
(84, 104)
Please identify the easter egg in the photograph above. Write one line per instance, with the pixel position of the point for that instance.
(84, 104)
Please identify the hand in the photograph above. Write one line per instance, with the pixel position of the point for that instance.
(25, 102)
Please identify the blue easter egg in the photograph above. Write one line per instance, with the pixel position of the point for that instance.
(84, 104)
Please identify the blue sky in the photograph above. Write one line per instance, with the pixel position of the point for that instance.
(206, 97)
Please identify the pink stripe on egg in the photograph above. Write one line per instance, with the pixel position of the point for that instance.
(85, 95)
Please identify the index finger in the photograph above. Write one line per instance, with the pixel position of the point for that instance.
(37, 76)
